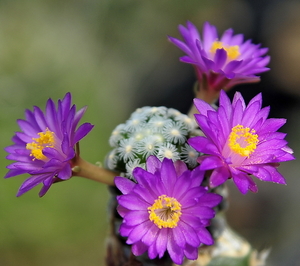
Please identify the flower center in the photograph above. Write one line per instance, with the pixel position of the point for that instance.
(242, 140)
(232, 51)
(46, 140)
(165, 212)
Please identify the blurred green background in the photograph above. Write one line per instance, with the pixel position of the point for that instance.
(112, 56)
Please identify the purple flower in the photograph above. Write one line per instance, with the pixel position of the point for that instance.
(45, 146)
(221, 63)
(166, 210)
(239, 141)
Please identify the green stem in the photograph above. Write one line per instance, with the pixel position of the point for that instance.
(204, 93)
(87, 170)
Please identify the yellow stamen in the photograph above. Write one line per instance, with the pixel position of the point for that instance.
(165, 212)
(233, 52)
(46, 140)
(242, 140)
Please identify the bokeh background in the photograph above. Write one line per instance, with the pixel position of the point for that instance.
(114, 56)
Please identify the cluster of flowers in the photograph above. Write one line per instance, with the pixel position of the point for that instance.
(239, 141)
(150, 131)
(164, 210)
(165, 206)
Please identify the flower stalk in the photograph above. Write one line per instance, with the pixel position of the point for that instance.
(202, 91)
(90, 171)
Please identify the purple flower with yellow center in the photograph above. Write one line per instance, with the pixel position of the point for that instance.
(221, 62)
(240, 141)
(45, 147)
(166, 210)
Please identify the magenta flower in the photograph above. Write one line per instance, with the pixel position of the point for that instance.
(221, 63)
(45, 146)
(166, 209)
(240, 141)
